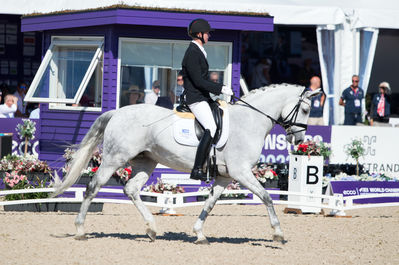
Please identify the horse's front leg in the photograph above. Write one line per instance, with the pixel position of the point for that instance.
(217, 190)
(247, 179)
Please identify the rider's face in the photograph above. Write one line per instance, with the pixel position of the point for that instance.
(207, 35)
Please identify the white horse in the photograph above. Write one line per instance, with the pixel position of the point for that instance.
(142, 135)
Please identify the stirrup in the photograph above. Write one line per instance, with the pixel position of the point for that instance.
(198, 174)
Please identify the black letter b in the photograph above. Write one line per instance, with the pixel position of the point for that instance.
(314, 173)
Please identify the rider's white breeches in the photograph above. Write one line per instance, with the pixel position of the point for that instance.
(202, 111)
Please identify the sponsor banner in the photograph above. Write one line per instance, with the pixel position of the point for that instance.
(276, 148)
(18, 145)
(352, 188)
(379, 142)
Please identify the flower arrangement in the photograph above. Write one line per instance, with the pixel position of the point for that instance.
(264, 173)
(363, 177)
(16, 181)
(161, 187)
(355, 150)
(122, 173)
(26, 131)
(313, 148)
(23, 164)
(234, 185)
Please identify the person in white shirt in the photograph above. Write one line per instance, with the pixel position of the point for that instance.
(151, 98)
(9, 107)
(35, 114)
(20, 94)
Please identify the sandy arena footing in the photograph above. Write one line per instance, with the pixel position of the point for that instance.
(238, 234)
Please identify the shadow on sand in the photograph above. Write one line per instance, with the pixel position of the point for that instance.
(183, 237)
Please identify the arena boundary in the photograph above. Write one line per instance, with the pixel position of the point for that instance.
(168, 202)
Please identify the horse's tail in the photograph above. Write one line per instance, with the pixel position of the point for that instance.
(83, 155)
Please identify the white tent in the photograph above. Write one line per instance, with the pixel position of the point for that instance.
(347, 31)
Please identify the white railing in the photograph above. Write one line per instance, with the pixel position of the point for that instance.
(169, 202)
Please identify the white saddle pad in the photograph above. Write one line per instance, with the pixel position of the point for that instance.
(184, 130)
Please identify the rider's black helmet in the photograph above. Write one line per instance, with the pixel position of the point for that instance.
(198, 25)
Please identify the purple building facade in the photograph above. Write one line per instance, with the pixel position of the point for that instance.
(61, 127)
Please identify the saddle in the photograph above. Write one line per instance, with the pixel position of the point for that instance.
(184, 111)
(188, 131)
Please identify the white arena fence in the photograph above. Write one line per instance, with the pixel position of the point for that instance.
(169, 202)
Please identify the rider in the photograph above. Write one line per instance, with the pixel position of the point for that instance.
(197, 87)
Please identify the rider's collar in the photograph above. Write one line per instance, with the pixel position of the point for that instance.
(200, 47)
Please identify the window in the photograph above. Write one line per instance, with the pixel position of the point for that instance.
(70, 74)
(143, 61)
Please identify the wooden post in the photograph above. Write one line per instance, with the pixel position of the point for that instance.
(26, 146)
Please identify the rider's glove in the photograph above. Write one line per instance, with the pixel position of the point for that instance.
(227, 91)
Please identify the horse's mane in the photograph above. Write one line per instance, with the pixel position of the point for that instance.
(270, 88)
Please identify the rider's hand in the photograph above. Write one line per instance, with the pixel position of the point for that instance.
(227, 91)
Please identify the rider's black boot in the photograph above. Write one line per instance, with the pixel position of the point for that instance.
(202, 153)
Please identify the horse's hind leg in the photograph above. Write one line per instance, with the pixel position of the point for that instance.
(141, 170)
(103, 174)
(217, 190)
(250, 182)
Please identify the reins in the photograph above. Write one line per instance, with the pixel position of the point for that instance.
(287, 122)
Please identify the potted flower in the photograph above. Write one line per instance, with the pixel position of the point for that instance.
(265, 175)
(120, 176)
(355, 150)
(313, 148)
(27, 165)
(17, 181)
(26, 130)
(234, 185)
(160, 187)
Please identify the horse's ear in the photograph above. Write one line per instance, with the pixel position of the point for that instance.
(313, 93)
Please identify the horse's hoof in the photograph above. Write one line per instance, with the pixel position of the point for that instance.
(151, 234)
(279, 238)
(80, 237)
(202, 242)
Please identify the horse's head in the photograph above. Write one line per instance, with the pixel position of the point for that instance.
(294, 116)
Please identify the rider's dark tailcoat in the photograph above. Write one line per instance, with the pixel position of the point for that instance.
(195, 71)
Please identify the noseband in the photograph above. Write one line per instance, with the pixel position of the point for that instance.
(288, 121)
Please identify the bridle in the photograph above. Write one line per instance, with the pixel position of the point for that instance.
(288, 121)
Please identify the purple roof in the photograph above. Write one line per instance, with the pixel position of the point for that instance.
(143, 17)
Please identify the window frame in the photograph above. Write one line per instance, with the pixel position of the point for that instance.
(67, 41)
(228, 70)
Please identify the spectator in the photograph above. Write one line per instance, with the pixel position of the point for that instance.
(179, 89)
(380, 106)
(351, 99)
(134, 95)
(35, 114)
(179, 85)
(152, 97)
(1, 95)
(4, 91)
(306, 72)
(20, 94)
(261, 74)
(214, 77)
(9, 107)
(316, 111)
